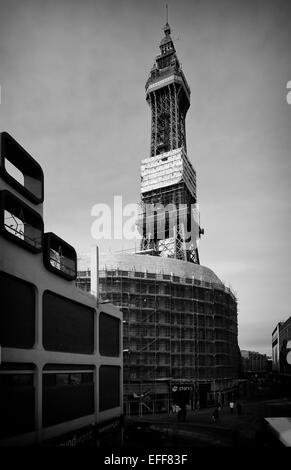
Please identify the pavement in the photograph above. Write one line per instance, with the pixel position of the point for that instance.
(230, 430)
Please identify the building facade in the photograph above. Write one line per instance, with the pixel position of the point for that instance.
(61, 354)
(281, 347)
(253, 361)
(180, 326)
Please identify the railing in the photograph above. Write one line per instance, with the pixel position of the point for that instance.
(166, 277)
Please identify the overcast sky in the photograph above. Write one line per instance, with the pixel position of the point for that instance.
(72, 75)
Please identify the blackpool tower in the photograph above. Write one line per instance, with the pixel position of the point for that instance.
(169, 218)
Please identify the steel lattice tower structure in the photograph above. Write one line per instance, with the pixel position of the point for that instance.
(168, 179)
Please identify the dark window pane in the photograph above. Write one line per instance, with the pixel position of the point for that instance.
(16, 405)
(109, 387)
(76, 379)
(22, 380)
(68, 326)
(62, 379)
(109, 333)
(5, 380)
(67, 402)
(87, 378)
(49, 380)
(17, 317)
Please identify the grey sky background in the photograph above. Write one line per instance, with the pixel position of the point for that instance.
(72, 75)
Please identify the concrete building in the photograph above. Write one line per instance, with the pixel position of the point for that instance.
(180, 325)
(276, 348)
(281, 346)
(61, 353)
(180, 320)
(254, 361)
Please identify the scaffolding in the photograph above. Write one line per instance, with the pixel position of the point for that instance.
(174, 327)
(168, 222)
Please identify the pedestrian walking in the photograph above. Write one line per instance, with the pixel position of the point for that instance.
(231, 407)
(179, 412)
(215, 415)
(183, 412)
(238, 408)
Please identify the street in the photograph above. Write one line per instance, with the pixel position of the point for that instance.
(244, 430)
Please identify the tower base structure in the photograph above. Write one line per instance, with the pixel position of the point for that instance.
(179, 331)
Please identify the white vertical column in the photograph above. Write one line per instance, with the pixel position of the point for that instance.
(95, 272)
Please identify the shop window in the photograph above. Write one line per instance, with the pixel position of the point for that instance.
(68, 326)
(109, 387)
(67, 395)
(17, 400)
(17, 315)
(109, 335)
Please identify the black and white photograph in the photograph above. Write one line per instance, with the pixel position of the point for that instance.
(145, 228)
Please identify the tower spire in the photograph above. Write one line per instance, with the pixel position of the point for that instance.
(167, 29)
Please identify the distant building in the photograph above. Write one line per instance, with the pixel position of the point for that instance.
(275, 348)
(84, 272)
(253, 361)
(281, 343)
